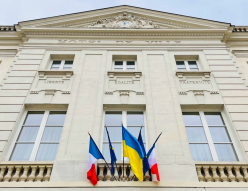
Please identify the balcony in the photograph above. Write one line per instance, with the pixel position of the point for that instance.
(104, 173)
(25, 171)
(222, 172)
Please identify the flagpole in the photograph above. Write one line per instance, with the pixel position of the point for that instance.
(122, 150)
(110, 154)
(157, 138)
(102, 156)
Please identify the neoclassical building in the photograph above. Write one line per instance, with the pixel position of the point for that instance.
(62, 77)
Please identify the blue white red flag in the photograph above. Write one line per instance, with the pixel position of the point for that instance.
(94, 155)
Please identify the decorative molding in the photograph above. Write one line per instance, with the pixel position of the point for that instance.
(124, 34)
(34, 92)
(66, 73)
(131, 21)
(124, 92)
(140, 93)
(108, 93)
(50, 92)
(7, 28)
(240, 29)
(182, 93)
(198, 92)
(214, 92)
(66, 92)
(181, 74)
(113, 74)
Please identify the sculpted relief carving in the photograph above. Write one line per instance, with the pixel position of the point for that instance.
(125, 20)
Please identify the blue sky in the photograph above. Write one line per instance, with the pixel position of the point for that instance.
(231, 11)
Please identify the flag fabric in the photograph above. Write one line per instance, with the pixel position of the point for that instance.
(112, 153)
(94, 155)
(133, 150)
(146, 166)
(152, 162)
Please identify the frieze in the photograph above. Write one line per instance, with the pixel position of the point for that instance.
(79, 41)
(195, 82)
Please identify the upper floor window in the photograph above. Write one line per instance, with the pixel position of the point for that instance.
(208, 137)
(124, 65)
(187, 65)
(61, 64)
(113, 120)
(39, 137)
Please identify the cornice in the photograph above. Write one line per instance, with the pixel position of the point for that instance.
(123, 34)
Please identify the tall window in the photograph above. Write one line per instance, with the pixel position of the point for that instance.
(39, 137)
(62, 64)
(113, 119)
(124, 65)
(208, 137)
(187, 65)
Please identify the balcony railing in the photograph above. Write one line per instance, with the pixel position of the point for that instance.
(25, 171)
(104, 173)
(222, 172)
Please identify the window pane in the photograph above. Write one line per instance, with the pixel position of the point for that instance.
(193, 65)
(135, 132)
(56, 118)
(34, 118)
(56, 64)
(113, 118)
(130, 65)
(200, 152)
(115, 134)
(117, 149)
(181, 65)
(52, 134)
(47, 152)
(196, 135)
(225, 152)
(68, 64)
(214, 118)
(22, 152)
(28, 134)
(135, 118)
(219, 134)
(118, 65)
(191, 118)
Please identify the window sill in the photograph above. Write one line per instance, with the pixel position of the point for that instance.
(67, 73)
(181, 73)
(114, 73)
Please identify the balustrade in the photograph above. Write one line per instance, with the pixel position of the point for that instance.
(104, 173)
(25, 171)
(220, 172)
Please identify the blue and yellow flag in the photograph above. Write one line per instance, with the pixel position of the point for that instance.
(133, 150)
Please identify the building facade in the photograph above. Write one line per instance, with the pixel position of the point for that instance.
(62, 77)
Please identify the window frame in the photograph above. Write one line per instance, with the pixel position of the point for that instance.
(39, 134)
(124, 121)
(61, 67)
(124, 65)
(210, 141)
(187, 65)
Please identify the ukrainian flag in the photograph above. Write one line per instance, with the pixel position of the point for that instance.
(133, 150)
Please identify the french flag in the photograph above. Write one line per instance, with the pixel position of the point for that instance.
(94, 155)
(152, 162)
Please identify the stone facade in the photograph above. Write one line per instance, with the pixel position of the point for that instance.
(156, 40)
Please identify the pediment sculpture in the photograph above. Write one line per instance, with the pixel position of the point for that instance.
(124, 20)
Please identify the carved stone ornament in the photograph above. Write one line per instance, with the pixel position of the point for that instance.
(124, 20)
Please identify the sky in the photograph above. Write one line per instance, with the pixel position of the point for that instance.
(230, 11)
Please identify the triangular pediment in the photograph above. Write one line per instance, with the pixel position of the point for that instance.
(124, 17)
